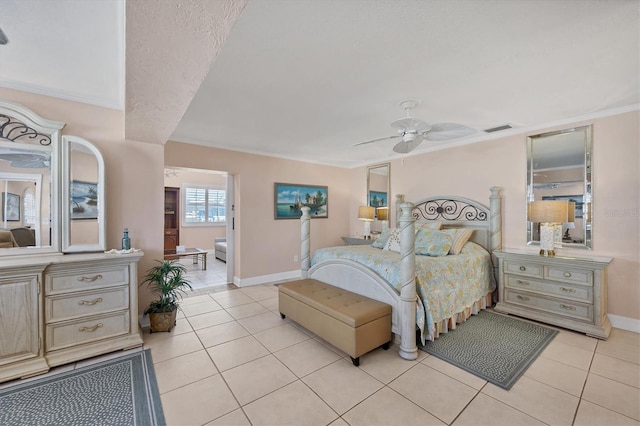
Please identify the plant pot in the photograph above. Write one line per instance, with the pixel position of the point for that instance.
(162, 321)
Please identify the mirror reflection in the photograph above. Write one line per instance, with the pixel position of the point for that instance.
(559, 168)
(378, 184)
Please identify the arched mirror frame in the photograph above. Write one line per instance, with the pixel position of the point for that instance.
(378, 175)
(68, 246)
(22, 126)
(586, 135)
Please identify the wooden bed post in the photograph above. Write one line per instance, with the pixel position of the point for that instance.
(407, 304)
(305, 248)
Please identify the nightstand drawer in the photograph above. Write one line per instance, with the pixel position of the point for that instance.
(569, 275)
(62, 335)
(577, 293)
(569, 309)
(64, 307)
(523, 268)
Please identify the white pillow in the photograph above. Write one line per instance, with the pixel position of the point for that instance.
(434, 224)
(460, 237)
(393, 243)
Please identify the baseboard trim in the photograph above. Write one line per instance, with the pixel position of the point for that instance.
(264, 279)
(625, 323)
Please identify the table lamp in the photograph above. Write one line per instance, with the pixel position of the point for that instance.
(548, 213)
(571, 218)
(366, 214)
(383, 216)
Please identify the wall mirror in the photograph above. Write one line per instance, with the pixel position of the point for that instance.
(83, 221)
(378, 186)
(33, 191)
(559, 168)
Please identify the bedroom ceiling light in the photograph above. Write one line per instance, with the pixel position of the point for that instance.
(549, 213)
(366, 214)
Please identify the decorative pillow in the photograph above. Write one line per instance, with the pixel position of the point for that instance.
(382, 239)
(431, 242)
(435, 224)
(393, 243)
(460, 237)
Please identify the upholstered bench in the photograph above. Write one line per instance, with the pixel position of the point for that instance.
(220, 247)
(353, 323)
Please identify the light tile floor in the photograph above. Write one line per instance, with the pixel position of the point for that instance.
(231, 360)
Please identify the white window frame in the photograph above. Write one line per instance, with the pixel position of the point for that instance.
(183, 203)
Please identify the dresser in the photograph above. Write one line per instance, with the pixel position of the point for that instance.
(357, 241)
(64, 308)
(569, 292)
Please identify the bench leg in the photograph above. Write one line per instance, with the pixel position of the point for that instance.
(386, 345)
(283, 316)
(355, 361)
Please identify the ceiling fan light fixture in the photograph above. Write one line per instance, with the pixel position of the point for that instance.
(3, 37)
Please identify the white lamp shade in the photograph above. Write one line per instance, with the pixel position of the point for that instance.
(366, 213)
(548, 211)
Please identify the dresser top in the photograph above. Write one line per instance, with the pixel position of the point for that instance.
(535, 253)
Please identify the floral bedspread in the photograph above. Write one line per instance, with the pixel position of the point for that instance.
(445, 285)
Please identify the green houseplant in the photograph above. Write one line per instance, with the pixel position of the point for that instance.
(168, 281)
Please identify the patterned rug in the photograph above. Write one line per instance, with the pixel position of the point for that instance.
(121, 391)
(494, 347)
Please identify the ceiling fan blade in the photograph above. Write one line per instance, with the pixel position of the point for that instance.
(406, 147)
(411, 124)
(448, 131)
(378, 140)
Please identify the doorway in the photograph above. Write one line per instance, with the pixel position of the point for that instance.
(206, 218)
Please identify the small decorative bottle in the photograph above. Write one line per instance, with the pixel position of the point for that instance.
(126, 241)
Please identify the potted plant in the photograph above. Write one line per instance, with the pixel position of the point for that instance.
(167, 279)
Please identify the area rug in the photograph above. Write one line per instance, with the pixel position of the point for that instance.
(120, 391)
(494, 347)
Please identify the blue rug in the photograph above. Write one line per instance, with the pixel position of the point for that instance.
(494, 347)
(121, 391)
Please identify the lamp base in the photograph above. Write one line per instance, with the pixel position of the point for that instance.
(547, 253)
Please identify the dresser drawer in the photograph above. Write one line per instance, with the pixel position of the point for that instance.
(74, 305)
(569, 275)
(88, 279)
(565, 308)
(577, 293)
(529, 269)
(62, 335)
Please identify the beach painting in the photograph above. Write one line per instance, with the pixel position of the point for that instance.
(290, 198)
(84, 200)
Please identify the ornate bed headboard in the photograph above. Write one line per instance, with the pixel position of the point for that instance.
(458, 212)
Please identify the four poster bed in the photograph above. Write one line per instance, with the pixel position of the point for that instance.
(430, 286)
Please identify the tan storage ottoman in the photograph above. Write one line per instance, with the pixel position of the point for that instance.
(353, 323)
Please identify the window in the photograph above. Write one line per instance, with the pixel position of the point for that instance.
(203, 204)
(29, 206)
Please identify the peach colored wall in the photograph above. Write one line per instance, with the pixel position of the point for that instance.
(198, 236)
(469, 171)
(134, 172)
(264, 245)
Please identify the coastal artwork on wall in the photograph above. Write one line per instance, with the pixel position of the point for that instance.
(378, 199)
(10, 207)
(290, 198)
(84, 200)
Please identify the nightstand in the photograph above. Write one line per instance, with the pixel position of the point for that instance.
(569, 292)
(355, 241)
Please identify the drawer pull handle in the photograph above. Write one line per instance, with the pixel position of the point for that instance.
(567, 274)
(92, 302)
(526, 299)
(522, 282)
(567, 307)
(568, 290)
(90, 279)
(523, 268)
(91, 329)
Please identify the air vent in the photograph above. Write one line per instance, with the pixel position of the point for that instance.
(499, 128)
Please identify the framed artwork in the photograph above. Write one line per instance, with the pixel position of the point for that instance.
(10, 207)
(84, 200)
(575, 198)
(378, 199)
(289, 198)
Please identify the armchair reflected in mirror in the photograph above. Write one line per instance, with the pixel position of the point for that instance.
(559, 168)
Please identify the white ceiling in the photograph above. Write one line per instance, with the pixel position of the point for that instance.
(308, 79)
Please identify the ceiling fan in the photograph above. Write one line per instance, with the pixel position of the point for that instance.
(412, 131)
